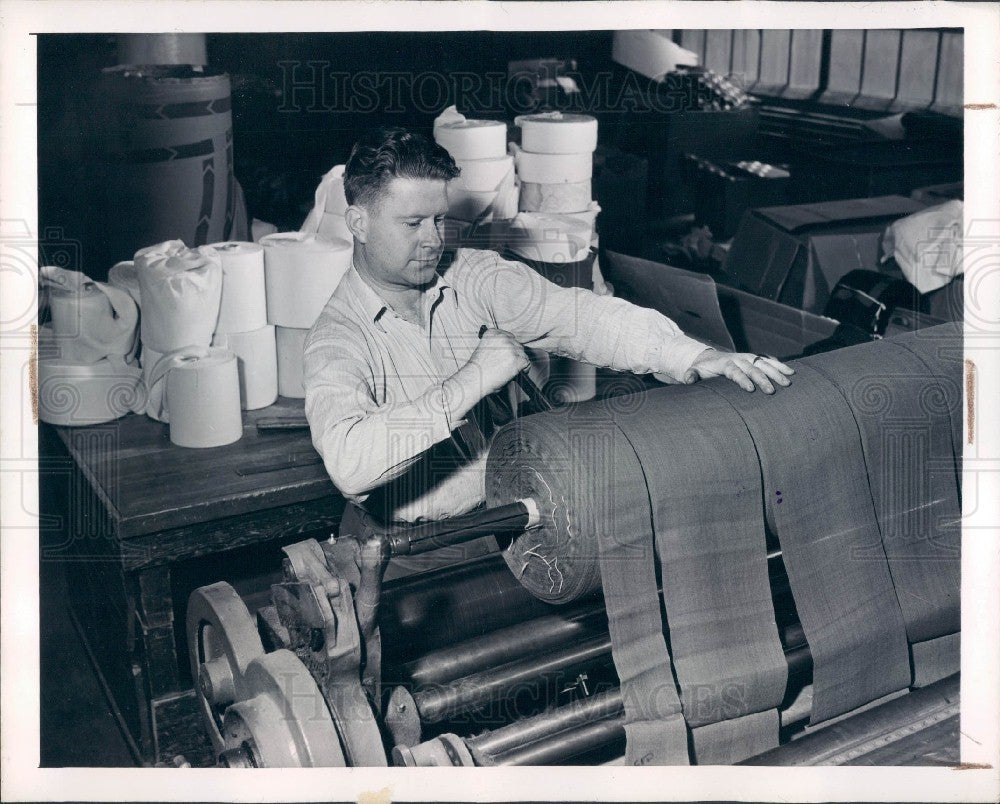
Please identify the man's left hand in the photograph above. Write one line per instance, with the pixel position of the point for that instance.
(749, 371)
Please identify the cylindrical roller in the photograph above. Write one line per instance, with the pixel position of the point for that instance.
(848, 740)
(423, 538)
(475, 691)
(508, 738)
(430, 611)
(558, 748)
(507, 645)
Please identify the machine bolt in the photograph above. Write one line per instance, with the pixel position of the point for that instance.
(215, 678)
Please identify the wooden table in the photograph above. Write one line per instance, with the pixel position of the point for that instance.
(140, 522)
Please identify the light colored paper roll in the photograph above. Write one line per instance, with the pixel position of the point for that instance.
(553, 168)
(470, 139)
(571, 380)
(181, 291)
(203, 394)
(470, 205)
(651, 53)
(333, 226)
(301, 271)
(557, 133)
(257, 362)
(572, 197)
(243, 306)
(480, 175)
(124, 277)
(290, 346)
(72, 394)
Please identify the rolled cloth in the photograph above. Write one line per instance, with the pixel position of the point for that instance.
(557, 133)
(90, 320)
(181, 290)
(329, 200)
(713, 461)
(470, 139)
(123, 275)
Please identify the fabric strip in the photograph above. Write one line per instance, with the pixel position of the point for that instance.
(819, 506)
(710, 540)
(906, 438)
(935, 659)
(731, 741)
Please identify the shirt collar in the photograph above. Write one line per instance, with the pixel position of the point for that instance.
(372, 305)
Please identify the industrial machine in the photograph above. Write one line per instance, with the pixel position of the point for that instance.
(464, 666)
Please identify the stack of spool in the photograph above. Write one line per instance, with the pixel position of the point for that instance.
(301, 271)
(555, 230)
(189, 384)
(86, 356)
(486, 191)
(242, 326)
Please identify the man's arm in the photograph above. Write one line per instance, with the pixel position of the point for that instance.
(603, 331)
(365, 444)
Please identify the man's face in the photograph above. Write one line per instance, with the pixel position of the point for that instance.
(402, 243)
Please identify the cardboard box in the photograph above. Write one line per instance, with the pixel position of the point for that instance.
(797, 254)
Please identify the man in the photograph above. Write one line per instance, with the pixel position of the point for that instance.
(395, 366)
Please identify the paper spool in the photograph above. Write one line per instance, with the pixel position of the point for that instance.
(124, 277)
(571, 381)
(257, 363)
(72, 394)
(290, 347)
(568, 197)
(480, 175)
(72, 309)
(470, 205)
(181, 290)
(553, 168)
(203, 393)
(243, 306)
(301, 271)
(557, 133)
(470, 139)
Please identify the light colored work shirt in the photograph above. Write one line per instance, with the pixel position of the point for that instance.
(374, 398)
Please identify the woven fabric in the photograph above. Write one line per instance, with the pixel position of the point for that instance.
(710, 540)
(902, 413)
(818, 504)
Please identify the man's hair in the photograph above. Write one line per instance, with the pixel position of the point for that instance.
(384, 154)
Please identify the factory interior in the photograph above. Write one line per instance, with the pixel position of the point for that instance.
(662, 573)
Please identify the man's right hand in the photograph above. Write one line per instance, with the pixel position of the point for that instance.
(497, 360)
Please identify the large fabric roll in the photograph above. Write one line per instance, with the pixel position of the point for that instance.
(181, 289)
(557, 133)
(717, 468)
(257, 363)
(123, 276)
(171, 173)
(819, 506)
